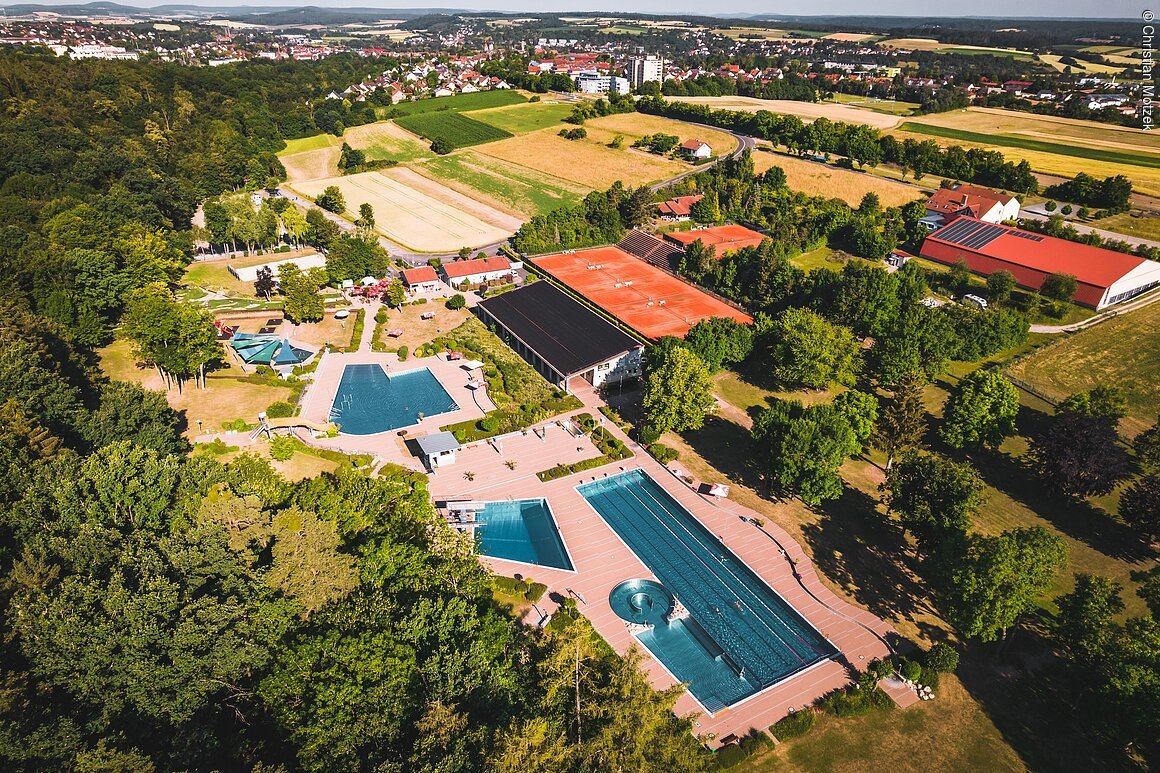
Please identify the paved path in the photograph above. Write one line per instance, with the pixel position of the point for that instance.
(1139, 303)
(368, 331)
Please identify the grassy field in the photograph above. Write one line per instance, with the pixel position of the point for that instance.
(224, 399)
(633, 126)
(1027, 143)
(505, 185)
(1122, 351)
(807, 111)
(417, 213)
(1143, 226)
(819, 179)
(459, 103)
(823, 257)
(316, 142)
(311, 164)
(583, 162)
(385, 141)
(887, 106)
(418, 331)
(526, 117)
(214, 275)
(454, 128)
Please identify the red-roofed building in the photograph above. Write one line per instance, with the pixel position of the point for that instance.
(696, 149)
(946, 204)
(722, 238)
(1105, 277)
(476, 271)
(421, 280)
(678, 209)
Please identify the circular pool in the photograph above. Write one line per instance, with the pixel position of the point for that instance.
(645, 602)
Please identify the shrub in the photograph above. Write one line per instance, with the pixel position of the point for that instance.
(456, 301)
(756, 741)
(280, 410)
(1065, 209)
(381, 316)
(729, 756)
(283, 448)
(403, 352)
(648, 436)
(856, 699)
(880, 668)
(941, 658)
(535, 98)
(795, 725)
(1050, 206)
(910, 670)
(535, 591)
(489, 424)
(663, 454)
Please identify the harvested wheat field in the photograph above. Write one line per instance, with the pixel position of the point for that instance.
(418, 213)
(311, 164)
(992, 120)
(633, 126)
(586, 162)
(849, 37)
(832, 182)
(807, 111)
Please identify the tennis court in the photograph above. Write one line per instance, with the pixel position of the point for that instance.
(735, 618)
(650, 301)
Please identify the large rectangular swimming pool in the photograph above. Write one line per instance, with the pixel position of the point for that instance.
(740, 636)
(370, 400)
(522, 530)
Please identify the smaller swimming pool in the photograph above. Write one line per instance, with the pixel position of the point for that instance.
(522, 530)
(369, 400)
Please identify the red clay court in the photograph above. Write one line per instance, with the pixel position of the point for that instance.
(723, 238)
(650, 301)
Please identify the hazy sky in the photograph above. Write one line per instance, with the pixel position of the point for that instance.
(1116, 9)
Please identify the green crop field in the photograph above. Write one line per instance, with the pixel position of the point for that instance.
(454, 128)
(521, 119)
(316, 142)
(1026, 143)
(510, 186)
(459, 103)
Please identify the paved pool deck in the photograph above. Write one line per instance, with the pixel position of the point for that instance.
(602, 561)
(389, 446)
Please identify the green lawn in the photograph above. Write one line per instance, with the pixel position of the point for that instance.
(458, 103)
(1027, 143)
(525, 190)
(1143, 226)
(1121, 351)
(822, 257)
(528, 117)
(455, 128)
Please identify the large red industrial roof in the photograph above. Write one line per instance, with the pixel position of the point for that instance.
(1048, 254)
(724, 238)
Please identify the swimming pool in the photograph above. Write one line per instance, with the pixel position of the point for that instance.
(522, 530)
(739, 636)
(369, 400)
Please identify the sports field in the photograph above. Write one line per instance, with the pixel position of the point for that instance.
(456, 129)
(807, 111)
(650, 301)
(818, 179)
(526, 117)
(504, 185)
(584, 162)
(458, 103)
(418, 213)
(1121, 351)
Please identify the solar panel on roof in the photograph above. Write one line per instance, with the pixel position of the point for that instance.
(1025, 235)
(970, 233)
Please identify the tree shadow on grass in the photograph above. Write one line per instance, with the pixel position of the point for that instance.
(1027, 691)
(727, 446)
(862, 551)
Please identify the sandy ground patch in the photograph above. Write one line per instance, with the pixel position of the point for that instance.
(453, 198)
(311, 164)
(582, 161)
(819, 179)
(413, 218)
(807, 111)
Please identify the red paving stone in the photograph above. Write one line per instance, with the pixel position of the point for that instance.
(650, 301)
(602, 561)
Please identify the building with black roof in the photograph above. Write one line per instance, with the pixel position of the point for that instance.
(561, 337)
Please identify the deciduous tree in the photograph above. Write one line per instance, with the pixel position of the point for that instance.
(677, 392)
(980, 411)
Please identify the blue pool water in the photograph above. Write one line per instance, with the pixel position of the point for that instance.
(522, 530)
(370, 401)
(740, 636)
